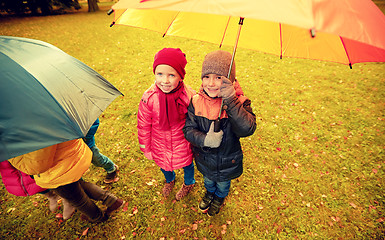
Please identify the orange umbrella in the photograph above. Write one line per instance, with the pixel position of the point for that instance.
(342, 31)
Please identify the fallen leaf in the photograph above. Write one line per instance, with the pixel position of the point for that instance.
(375, 170)
(125, 207)
(162, 219)
(59, 215)
(194, 226)
(11, 210)
(85, 232)
(135, 210)
(353, 205)
(223, 232)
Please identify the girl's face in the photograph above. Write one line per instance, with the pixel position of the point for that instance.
(212, 83)
(166, 78)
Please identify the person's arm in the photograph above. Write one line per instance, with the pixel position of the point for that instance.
(144, 128)
(190, 130)
(241, 116)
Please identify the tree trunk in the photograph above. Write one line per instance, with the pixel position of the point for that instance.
(93, 5)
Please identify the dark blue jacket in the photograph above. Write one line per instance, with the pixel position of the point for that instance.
(238, 120)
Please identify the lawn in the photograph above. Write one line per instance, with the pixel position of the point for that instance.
(314, 169)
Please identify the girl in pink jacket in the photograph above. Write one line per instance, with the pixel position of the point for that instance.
(161, 117)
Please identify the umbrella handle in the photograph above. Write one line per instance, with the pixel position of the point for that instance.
(240, 23)
(217, 126)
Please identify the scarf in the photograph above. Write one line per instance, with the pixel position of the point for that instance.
(170, 109)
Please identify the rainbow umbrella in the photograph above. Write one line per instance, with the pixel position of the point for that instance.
(342, 31)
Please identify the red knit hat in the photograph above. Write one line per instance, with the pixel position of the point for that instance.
(173, 57)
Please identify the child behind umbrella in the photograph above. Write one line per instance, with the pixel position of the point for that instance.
(161, 117)
(218, 155)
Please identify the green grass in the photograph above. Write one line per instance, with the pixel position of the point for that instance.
(314, 169)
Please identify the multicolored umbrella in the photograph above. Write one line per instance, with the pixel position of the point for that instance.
(342, 31)
(46, 96)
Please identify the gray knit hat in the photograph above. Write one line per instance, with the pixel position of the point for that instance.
(218, 62)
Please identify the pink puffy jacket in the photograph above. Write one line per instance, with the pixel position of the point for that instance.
(17, 182)
(168, 148)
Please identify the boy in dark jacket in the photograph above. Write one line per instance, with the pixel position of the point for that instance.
(218, 155)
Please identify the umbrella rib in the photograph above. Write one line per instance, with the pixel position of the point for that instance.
(224, 32)
(164, 34)
(280, 37)
(346, 51)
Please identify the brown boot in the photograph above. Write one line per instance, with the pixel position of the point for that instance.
(52, 198)
(68, 210)
(168, 188)
(183, 191)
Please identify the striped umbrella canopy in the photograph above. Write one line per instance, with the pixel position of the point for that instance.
(342, 31)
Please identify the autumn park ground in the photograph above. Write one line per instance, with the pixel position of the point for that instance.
(314, 169)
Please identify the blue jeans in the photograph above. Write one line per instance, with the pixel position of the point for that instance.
(221, 189)
(188, 175)
(100, 160)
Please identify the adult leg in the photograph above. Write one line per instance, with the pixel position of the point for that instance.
(97, 193)
(76, 196)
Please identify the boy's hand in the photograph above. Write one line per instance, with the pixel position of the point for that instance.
(213, 139)
(227, 89)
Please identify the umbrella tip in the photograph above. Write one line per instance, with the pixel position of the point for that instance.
(112, 24)
(312, 32)
(350, 65)
(110, 11)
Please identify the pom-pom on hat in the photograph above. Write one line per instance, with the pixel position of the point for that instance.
(218, 62)
(173, 57)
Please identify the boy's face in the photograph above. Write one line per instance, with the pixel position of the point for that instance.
(212, 83)
(166, 78)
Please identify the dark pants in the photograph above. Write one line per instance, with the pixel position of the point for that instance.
(80, 193)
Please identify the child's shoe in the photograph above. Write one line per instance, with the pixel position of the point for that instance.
(168, 188)
(52, 198)
(68, 210)
(112, 176)
(206, 201)
(215, 206)
(115, 207)
(183, 191)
